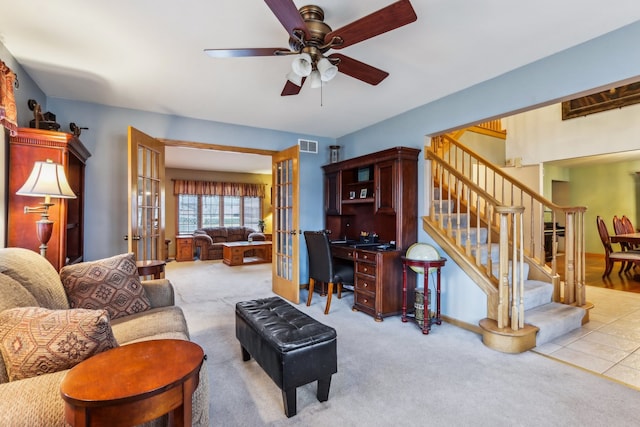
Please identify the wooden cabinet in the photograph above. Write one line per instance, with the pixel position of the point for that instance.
(184, 248)
(377, 276)
(377, 192)
(332, 193)
(374, 193)
(386, 187)
(66, 245)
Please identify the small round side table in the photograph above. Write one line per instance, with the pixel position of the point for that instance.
(153, 268)
(425, 265)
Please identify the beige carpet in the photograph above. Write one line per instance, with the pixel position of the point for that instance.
(389, 374)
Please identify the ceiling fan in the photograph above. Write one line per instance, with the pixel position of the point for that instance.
(310, 38)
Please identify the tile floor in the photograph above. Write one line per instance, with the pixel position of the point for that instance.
(610, 343)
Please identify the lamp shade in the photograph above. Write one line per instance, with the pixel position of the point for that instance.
(47, 179)
(316, 80)
(301, 65)
(327, 70)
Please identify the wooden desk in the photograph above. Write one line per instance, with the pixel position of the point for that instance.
(132, 384)
(377, 285)
(233, 252)
(425, 265)
(153, 268)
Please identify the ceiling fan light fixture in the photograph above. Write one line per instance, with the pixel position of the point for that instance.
(301, 65)
(294, 78)
(327, 70)
(316, 80)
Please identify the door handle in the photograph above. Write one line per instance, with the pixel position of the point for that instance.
(126, 237)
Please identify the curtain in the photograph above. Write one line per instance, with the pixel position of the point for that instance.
(8, 111)
(210, 188)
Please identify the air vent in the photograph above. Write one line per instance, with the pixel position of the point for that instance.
(308, 146)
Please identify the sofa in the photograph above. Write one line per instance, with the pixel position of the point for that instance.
(29, 283)
(208, 241)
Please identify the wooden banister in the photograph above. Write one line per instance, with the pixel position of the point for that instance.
(513, 215)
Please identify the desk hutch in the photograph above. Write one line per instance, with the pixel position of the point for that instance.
(377, 193)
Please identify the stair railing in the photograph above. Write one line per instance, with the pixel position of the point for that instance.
(486, 186)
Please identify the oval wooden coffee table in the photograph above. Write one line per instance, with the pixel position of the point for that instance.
(133, 384)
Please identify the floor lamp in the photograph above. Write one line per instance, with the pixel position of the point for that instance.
(47, 180)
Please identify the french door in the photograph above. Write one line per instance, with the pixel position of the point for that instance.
(286, 235)
(146, 196)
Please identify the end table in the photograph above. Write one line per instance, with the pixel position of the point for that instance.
(134, 383)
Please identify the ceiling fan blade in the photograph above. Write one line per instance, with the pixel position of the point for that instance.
(386, 19)
(238, 53)
(292, 88)
(288, 15)
(359, 70)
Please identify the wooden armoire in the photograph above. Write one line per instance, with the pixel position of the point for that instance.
(27, 147)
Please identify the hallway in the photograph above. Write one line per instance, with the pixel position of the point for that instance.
(610, 343)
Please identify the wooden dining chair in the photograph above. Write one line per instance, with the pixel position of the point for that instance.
(322, 267)
(611, 256)
(628, 227)
(619, 228)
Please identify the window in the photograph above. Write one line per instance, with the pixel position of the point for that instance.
(187, 214)
(199, 211)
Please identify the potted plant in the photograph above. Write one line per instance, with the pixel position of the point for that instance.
(261, 225)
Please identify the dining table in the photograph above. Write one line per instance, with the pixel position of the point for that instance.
(631, 238)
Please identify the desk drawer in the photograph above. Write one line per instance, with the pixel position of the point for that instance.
(343, 252)
(365, 268)
(365, 299)
(365, 283)
(366, 256)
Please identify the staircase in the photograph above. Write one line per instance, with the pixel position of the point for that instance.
(491, 225)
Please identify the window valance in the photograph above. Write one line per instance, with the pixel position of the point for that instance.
(183, 186)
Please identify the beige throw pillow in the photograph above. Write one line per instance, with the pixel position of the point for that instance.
(36, 341)
(110, 283)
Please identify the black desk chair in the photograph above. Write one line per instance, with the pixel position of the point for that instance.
(322, 268)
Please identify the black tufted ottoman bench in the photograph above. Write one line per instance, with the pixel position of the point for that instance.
(292, 348)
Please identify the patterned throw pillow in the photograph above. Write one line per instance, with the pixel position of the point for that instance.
(110, 283)
(36, 341)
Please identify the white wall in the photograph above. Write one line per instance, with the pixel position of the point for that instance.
(541, 135)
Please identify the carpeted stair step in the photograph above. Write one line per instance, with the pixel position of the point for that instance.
(554, 320)
(475, 236)
(536, 294)
(484, 251)
(462, 217)
(444, 205)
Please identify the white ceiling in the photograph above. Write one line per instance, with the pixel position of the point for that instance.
(148, 54)
(223, 161)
